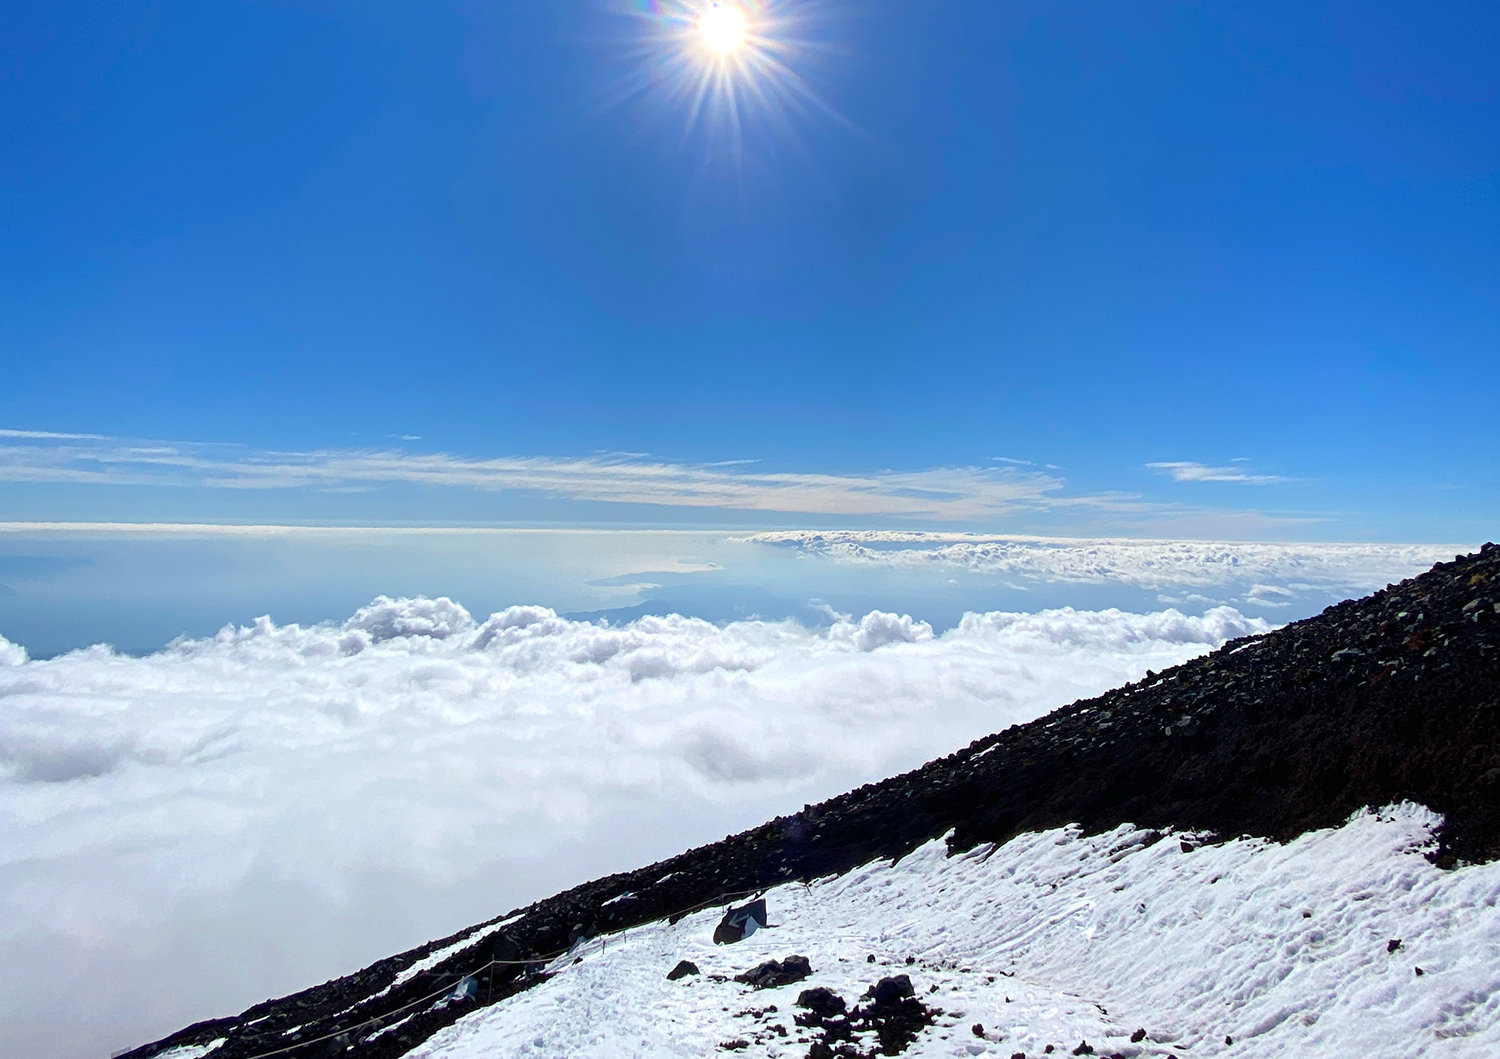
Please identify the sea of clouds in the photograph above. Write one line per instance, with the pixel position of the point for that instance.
(1256, 574)
(231, 818)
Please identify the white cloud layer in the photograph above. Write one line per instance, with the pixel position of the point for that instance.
(1267, 569)
(231, 818)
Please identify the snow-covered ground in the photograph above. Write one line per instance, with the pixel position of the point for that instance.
(1057, 939)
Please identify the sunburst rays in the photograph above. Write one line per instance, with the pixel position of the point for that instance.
(723, 65)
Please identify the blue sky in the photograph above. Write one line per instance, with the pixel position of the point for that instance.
(1156, 268)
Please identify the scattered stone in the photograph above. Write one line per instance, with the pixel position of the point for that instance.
(894, 1015)
(735, 1045)
(756, 1013)
(1138, 1036)
(1419, 971)
(774, 973)
(1083, 1049)
(682, 970)
(977, 1029)
(1228, 1039)
(1393, 945)
(890, 991)
(822, 1001)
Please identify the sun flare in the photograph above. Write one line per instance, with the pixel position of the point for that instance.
(728, 66)
(722, 27)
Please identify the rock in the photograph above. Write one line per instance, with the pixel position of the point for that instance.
(1393, 945)
(774, 973)
(1083, 1049)
(977, 1029)
(891, 990)
(682, 970)
(1138, 1036)
(895, 1016)
(822, 1001)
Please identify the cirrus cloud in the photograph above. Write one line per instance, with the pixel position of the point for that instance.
(621, 478)
(1189, 471)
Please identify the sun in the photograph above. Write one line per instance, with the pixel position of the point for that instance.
(722, 28)
(730, 66)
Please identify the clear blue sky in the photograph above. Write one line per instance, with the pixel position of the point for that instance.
(374, 261)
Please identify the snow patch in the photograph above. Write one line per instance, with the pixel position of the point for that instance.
(1056, 939)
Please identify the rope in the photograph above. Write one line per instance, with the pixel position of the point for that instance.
(545, 958)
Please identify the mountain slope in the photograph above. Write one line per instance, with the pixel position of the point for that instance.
(1130, 943)
(1387, 699)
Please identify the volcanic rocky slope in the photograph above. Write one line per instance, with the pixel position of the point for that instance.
(1392, 697)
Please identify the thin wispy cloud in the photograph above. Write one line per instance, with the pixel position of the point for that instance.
(49, 435)
(1189, 471)
(623, 478)
(1035, 495)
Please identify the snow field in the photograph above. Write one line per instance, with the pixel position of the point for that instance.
(1057, 938)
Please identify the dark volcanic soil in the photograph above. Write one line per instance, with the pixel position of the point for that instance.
(1395, 696)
